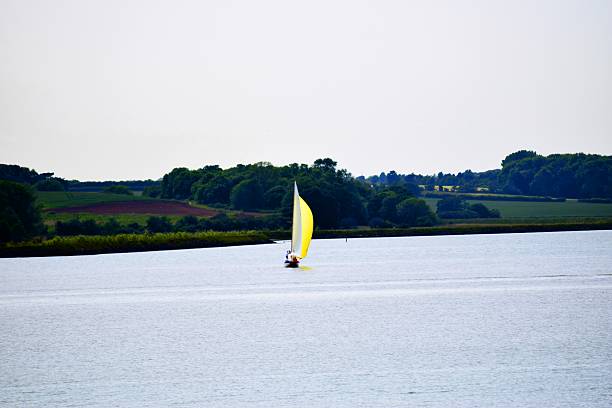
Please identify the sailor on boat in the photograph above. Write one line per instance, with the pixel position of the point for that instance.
(289, 257)
(291, 260)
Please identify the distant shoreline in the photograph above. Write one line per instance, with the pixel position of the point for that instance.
(466, 229)
(127, 243)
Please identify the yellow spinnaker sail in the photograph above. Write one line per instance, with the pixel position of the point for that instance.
(307, 224)
(302, 225)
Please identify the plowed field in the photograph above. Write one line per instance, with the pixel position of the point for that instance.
(139, 207)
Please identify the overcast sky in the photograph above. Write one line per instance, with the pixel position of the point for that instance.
(130, 89)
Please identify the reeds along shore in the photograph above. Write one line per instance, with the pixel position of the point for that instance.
(102, 244)
(89, 245)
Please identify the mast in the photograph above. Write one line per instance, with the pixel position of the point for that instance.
(296, 233)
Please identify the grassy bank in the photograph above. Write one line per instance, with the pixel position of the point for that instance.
(98, 244)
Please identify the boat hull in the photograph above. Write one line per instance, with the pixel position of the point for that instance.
(290, 264)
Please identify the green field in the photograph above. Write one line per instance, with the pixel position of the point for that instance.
(59, 199)
(534, 209)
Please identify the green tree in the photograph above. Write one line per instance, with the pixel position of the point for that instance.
(326, 164)
(393, 178)
(274, 197)
(177, 184)
(388, 207)
(78, 227)
(517, 156)
(50, 184)
(19, 213)
(455, 207)
(214, 191)
(112, 227)
(483, 211)
(159, 224)
(414, 212)
(152, 191)
(320, 198)
(13, 172)
(189, 223)
(219, 222)
(246, 195)
(450, 203)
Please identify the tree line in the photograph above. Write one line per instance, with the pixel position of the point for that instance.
(577, 175)
(49, 182)
(337, 199)
(559, 175)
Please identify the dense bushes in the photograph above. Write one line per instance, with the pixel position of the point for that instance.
(159, 224)
(414, 212)
(152, 191)
(84, 245)
(455, 207)
(483, 211)
(118, 189)
(155, 224)
(397, 206)
(90, 227)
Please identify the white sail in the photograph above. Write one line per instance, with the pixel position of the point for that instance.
(296, 234)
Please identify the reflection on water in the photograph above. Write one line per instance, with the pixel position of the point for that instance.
(499, 320)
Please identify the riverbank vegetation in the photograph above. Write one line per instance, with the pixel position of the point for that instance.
(259, 197)
(89, 245)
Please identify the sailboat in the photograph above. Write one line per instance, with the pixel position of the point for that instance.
(301, 231)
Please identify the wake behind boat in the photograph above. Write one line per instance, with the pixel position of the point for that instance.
(301, 232)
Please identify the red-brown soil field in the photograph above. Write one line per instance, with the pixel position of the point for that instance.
(153, 207)
(139, 207)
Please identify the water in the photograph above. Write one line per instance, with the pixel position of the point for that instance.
(517, 320)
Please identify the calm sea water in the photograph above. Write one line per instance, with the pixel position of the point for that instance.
(517, 320)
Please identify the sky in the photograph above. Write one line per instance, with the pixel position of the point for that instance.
(116, 90)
